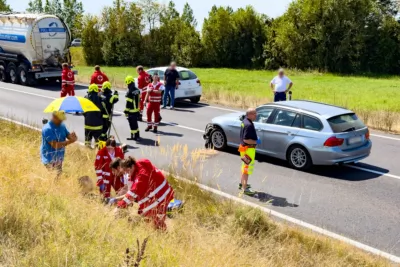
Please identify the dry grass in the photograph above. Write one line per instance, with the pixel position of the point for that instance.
(44, 222)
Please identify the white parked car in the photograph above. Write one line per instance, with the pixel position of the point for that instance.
(189, 84)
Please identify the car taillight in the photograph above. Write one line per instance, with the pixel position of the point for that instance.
(367, 135)
(333, 141)
(198, 81)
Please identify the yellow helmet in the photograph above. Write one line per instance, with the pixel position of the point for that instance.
(101, 144)
(129, 80)
(106, 86)
(93, 88)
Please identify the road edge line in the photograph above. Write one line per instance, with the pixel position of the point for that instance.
(282, 216)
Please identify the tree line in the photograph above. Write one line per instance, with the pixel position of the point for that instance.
(342, 36)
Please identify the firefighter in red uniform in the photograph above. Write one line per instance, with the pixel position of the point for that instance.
(105, 177)
(67, 81)
(98, 77)
(153, 98)
(150, 190)
(143, 80)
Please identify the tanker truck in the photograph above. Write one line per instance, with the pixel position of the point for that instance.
(32, 47)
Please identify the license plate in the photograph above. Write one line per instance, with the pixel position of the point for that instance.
(355, 140)
(190, 92)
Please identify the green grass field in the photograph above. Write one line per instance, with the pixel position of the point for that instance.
(376, 99)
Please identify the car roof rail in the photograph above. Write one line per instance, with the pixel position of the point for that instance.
(294, 108)
(316, 102)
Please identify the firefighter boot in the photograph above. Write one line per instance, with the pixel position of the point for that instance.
(131, 138)
(136, 137)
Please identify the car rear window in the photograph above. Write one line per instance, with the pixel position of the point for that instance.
(345, 123)
(187, 75)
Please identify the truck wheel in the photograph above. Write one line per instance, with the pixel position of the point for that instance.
(12, 74)
(23, 74)
(3, 76)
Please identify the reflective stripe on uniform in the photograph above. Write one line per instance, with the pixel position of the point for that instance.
(155, 204)
(130, 193)
(134, 131)
(105, 116)
(127, 201)
(132, 110)
(129, 99)
(106, 182)
(152, 194)
(99, 171)
(112, 98)
(99, 177)
(106, 173)
(94, 128)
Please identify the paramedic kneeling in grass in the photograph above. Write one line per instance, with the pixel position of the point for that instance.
(55, 137)
(150, 190)
(247, 149)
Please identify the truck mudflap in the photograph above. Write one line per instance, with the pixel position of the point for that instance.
(207, 135)
(50, 74)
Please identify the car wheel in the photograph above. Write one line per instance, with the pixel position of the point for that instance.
(12, 73)
(195, 100)
(299, 158)
(218, 139)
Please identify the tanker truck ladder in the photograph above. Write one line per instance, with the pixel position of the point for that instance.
(38, 43)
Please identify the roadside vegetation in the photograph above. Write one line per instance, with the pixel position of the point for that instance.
(48, 222)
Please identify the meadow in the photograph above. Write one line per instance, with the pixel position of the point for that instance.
(375, 99)
(51, 222)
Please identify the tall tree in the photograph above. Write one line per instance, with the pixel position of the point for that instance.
(35, 6)
(72, 13)
(4, 6)
(151, 10)
(92, 37)
(47, 7)
(56, 8)
(188, 16)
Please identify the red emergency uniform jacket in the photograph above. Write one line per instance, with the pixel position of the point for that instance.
(67, 82)
(99, 78)
(102, 166)
(155, 97)
(143, 80)
(150, 189)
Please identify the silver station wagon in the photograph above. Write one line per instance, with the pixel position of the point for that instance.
(304, 133)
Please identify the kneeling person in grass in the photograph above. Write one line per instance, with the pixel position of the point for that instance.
(150, 190)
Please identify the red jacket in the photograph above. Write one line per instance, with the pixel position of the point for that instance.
(102, 165)
(98, 78)
(67, 78)
(143, 80)
(149, 188)
(153, 96)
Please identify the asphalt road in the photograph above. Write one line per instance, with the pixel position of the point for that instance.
(362, 204)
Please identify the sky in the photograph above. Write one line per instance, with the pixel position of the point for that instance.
(272, 8)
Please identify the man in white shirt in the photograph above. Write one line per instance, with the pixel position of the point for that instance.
(280, 85)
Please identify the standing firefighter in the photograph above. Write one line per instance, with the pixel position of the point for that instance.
(98, 77)
(93, 120)
(132, 107)
(153, 97)
(67, 81)
(109, 99)
(143, 80)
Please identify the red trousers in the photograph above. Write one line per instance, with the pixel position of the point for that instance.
(142, 97)
(67, 90)
(115, 182)
(158, 215)
(153, 107)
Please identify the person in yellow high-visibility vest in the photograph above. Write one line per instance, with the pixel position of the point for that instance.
(248, 142)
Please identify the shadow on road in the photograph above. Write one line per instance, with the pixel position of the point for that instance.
(56, 87)
(273, 200)
(162, 133)
(334, 171)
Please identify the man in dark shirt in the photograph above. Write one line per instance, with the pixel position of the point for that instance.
(248, 142)
(171, 82)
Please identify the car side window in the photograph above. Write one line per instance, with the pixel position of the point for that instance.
(297, 121)
(284, 118)
(184, 75)
(151, 72)
(263, 114)
(161, 74)
(311, 123)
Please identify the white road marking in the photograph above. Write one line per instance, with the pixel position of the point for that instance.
(282, 216)
(385, 137)
(27, 93)
(373, 171)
